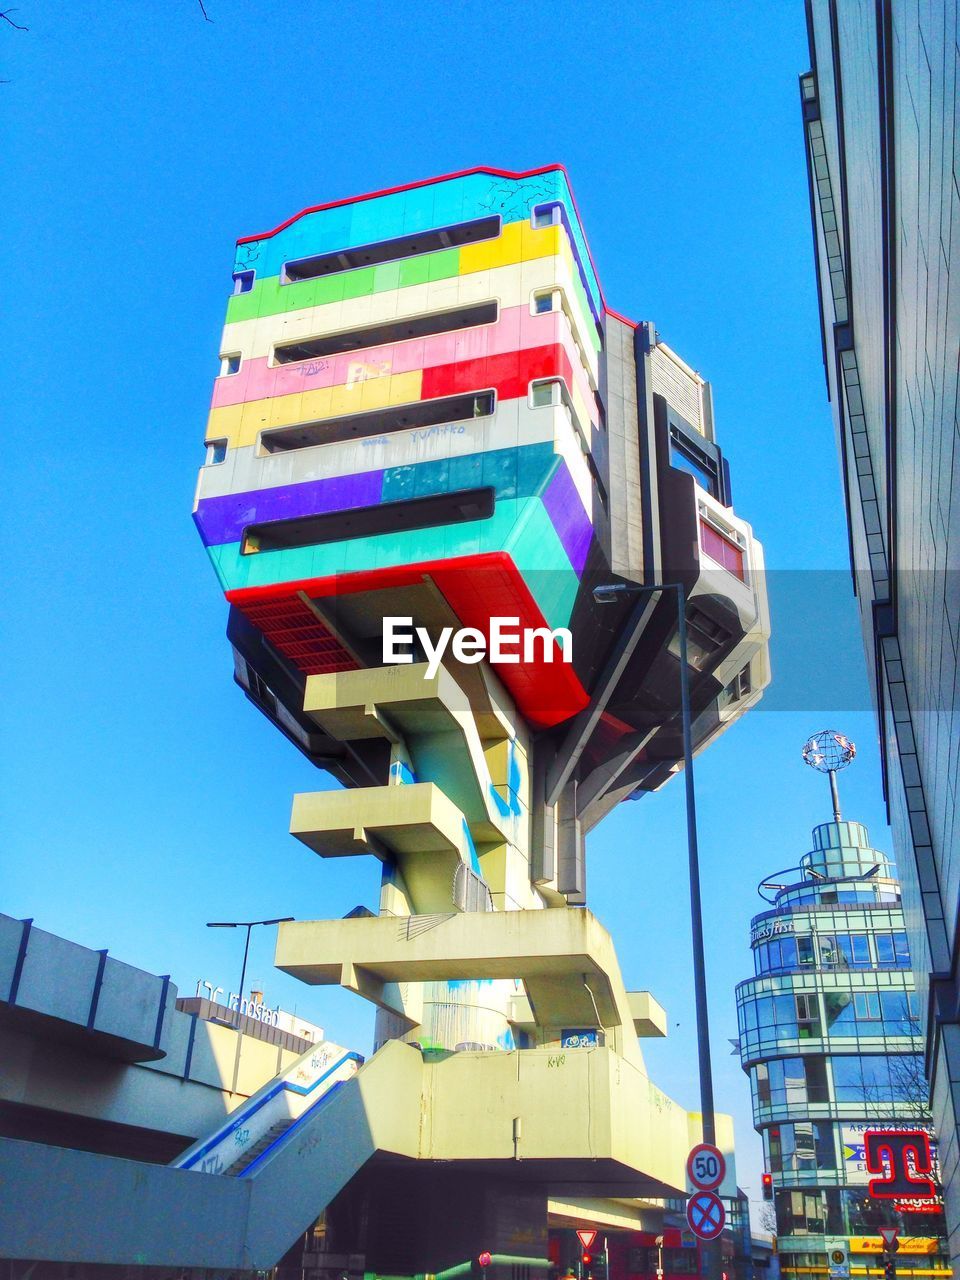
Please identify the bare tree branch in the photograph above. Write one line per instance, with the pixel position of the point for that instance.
(16, 25)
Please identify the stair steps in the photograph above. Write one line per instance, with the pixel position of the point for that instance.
(258, 1148)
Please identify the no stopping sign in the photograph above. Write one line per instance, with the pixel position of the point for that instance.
(705, 1215)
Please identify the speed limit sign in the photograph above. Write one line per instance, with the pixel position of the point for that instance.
(706, 1167)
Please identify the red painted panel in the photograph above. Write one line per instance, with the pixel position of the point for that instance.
(510, 373)
(477, 588)
(721, 549)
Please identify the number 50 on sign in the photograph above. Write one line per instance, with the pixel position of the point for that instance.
(706, 1167)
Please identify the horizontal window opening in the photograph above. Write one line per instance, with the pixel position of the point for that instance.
(229, 365)
(216, 452)
(421, 413)
(381, 335)
(243, 281)
(366, 255)
(365, 522)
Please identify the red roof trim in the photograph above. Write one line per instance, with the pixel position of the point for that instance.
(411, 186)
(617, 316)
(446, 177)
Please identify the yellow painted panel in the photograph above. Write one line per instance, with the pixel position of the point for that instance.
(239, 424)
(518, 241)
(541, 242)
(908, 1244)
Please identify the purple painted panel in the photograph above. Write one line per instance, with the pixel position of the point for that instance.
(224, 519)
(563, 506)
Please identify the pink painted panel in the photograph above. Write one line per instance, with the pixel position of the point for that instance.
(515, 330)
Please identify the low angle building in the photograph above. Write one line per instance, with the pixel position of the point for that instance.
(427, 413)
(881, 140)
(830, 1035)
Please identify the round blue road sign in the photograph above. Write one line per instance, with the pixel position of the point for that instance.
(705, 1215)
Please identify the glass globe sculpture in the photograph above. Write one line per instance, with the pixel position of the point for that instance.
(828, 751)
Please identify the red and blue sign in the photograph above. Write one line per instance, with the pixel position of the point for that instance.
(706, 1215)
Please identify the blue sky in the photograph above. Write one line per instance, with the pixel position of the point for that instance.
(143, 795)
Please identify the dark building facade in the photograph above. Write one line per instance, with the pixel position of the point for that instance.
(829, 1034)
(879, 111)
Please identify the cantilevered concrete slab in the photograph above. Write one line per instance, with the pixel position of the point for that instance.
(415, 820)
(564, 957)
(433, 718)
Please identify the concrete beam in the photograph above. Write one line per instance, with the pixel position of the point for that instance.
(564, 956)
(649, 1017)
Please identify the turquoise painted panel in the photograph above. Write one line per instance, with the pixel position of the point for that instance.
(514, 473)
(384, 217)
(538, 553)
(409, 547)
(520, 526)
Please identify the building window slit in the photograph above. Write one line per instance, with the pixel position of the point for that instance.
(381, 335)
(368, 255)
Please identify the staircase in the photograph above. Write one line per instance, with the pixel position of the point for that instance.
(258, 1148)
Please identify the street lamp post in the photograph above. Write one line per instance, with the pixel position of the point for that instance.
(609, 594)
(248, 925)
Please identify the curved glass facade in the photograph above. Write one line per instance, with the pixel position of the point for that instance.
(831, 1039)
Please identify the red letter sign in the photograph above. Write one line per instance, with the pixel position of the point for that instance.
(899, 1155)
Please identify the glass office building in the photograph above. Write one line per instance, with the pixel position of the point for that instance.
(830, 1036)
(882, 137)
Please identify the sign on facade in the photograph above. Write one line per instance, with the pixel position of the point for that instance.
(838, 1257)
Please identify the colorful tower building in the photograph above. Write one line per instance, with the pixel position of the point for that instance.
(830, 1036)
(429, 424)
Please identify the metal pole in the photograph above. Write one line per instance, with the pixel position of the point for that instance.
(834, 794)
(696, 912)
(243, 972)
(709, 1250)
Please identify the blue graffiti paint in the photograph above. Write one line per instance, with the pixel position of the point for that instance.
(402, 773)
(474, 860)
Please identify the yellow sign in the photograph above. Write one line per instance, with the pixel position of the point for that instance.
(908, 1244)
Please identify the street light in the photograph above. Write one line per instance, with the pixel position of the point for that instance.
(248, 925)
(610, 593)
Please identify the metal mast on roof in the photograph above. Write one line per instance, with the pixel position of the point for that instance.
(828, 752)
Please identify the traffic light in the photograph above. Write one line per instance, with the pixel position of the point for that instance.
(586, 1259)
(767, 1180)
(890, 1268)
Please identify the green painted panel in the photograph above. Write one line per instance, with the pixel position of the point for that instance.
(443, 264)
(269, 297)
